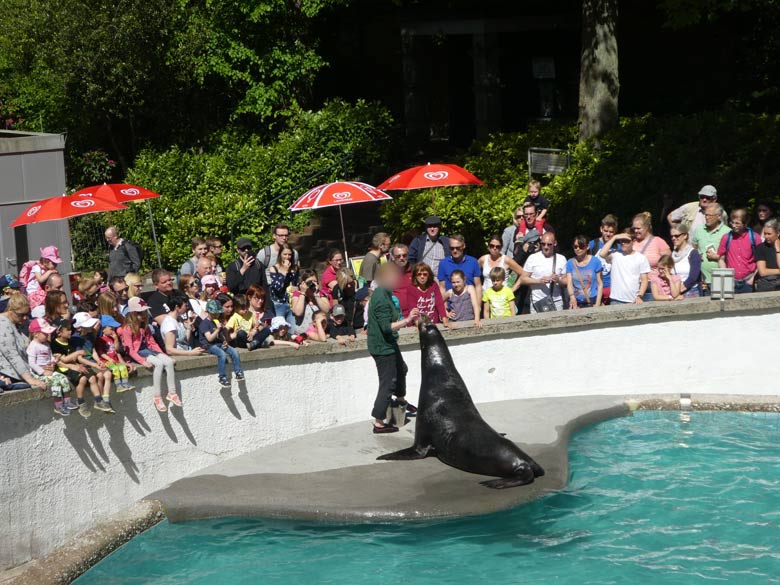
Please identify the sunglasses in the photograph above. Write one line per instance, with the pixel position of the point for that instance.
(400, 255)
(675, 236)
(547, 245)
(706, 198)
(494, 246)
(456, 247)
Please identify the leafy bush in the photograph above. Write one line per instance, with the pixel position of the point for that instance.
(203, 193)
(648, 163)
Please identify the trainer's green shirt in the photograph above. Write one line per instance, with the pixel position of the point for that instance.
(382, 313)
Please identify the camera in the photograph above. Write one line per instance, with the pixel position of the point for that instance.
(312, 285)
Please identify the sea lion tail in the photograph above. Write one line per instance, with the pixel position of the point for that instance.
(409, 454)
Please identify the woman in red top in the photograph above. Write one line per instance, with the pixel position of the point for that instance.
(425, 295)
(140, 345)
(335, 262)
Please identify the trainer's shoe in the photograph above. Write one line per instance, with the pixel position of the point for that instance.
(224, 382)
(84, 410)
(384, 429)
(60, 409)
(240, 377)
(70, 405)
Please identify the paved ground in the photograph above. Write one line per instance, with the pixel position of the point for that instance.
(333, 475)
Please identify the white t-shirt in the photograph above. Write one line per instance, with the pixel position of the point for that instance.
(33, 284)
(539, 266)
(171, 324)
(626, 271)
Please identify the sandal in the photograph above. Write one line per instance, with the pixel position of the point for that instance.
(174, 399)
(159, 404)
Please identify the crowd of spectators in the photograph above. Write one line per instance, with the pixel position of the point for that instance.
(265, 299)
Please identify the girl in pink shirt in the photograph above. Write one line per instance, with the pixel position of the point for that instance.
(664, 284)
(43, 366)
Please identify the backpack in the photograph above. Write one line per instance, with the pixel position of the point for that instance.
(25, 273)
(138, 249)
(751, 235)
(266, 261)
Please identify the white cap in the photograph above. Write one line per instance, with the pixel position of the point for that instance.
(708, 191)
(84, 320)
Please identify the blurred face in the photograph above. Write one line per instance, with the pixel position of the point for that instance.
(200, 250)
(548, 245)
(457, 249)
(607, 231)
(390, 279)
(529, 215)
(401, 257)
(770, 235)
(281, 236)
(640, 231)
(165, 284)
(737, 224)
(433, 231)
(678, 239)
(458, 284)
(421, 277)
(712, 219)
(705, 201)
(337, 261)
(494, 248)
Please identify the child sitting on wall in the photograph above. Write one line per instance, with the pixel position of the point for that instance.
(213, 341)
(280, 329)
(245, 329)
(42, 363)
(78, 374)
(107, 350)
(86, 330)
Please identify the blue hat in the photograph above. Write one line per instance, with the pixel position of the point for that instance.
(8, 281)
(362, 293)
(214, 307)
(108, 321)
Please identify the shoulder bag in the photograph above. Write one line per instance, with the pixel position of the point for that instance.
(547, 304)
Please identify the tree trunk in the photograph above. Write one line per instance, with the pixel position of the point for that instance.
(599, 81)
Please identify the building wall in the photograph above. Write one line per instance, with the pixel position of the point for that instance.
(60, 475)
(32, 167)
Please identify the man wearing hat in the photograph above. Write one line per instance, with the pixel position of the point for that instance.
(246, 270)
(692, 214)
(8, 286)
(430, 247)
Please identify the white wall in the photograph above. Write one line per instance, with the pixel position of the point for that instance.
(60, 475)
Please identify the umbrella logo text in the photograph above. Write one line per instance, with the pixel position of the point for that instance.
(33, 210)
(131, 192)
(436, 175)
(83, 204)
(86, 195)
(343, 196)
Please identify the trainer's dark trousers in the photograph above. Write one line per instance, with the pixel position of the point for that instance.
(392, 381)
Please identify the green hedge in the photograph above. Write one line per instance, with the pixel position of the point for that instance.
(639, 164)
(204, 192)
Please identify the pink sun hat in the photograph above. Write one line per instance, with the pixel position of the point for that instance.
(51, 253)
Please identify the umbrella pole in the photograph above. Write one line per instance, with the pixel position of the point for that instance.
(154, 234)
(344, 237)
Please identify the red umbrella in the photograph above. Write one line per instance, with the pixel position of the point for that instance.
(431, 176)
(122, 193)
(117, 192)
(338, 194)
(65, 206)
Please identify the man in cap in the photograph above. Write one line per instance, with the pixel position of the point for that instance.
(692, 214)
(8, 286)
(430, 247)
(246, 270)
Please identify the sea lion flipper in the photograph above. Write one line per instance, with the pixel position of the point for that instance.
(408, 454)
(507, 482)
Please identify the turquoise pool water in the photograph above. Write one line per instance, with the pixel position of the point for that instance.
(654, 499)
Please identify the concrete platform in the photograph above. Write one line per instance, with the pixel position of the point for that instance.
(333, 475)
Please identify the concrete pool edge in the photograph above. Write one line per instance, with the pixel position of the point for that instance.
(85, 550)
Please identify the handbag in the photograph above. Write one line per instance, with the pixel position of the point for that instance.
(547, 304)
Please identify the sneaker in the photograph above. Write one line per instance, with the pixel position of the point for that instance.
(174, 399)
(70, 405)
(224, 382)
(384, 429)
(60, 409)
(240, 377)
(123, 387)
(159, 404)
(84, 410)
(105, 407)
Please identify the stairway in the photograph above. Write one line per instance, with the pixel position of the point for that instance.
(361, 222)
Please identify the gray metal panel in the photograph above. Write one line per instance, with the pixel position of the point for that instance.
(44, 175)
(11, 180)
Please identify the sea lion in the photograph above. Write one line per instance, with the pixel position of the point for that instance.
(449, 425)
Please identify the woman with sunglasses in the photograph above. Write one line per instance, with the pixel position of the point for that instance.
(308, 300)
(585, 284)
(425, 295)
(14, 369)
(190, 286)
(495, 258)
(687, 262)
